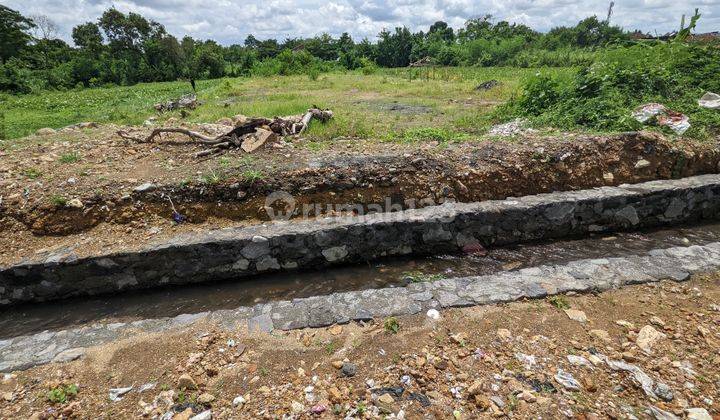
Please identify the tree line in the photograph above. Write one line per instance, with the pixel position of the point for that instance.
(127, 48)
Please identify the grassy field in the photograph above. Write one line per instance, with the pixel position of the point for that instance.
(405, 104)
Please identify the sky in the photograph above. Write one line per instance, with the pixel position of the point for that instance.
(230, 21)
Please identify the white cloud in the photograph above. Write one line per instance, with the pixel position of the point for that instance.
(230, 21)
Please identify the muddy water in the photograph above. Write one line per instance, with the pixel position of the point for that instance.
(177, 300)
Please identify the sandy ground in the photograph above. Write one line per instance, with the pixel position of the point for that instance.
(565, 356)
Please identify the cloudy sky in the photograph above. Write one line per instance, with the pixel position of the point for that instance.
(230, 21)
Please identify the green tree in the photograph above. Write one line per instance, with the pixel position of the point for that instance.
(14, 37)
(87, 36)
(394, 49)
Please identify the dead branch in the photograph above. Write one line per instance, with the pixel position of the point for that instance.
(199, 138)
(249, 136)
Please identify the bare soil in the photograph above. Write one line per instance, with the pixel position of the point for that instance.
(78, 189)
(458, 363)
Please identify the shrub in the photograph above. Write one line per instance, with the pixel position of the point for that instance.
(602, 95)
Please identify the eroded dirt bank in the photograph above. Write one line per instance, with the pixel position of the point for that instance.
(560, 357)
(126, 189)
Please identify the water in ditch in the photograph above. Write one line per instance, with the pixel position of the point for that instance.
(171, 301)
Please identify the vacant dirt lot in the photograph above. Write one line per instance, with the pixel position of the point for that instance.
(525, 359)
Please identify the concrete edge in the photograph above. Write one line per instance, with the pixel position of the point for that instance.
(676, 264)
(241, 252)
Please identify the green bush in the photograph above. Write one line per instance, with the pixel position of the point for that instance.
(602, 95)
(14, 77)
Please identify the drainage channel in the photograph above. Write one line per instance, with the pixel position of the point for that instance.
(228, 294)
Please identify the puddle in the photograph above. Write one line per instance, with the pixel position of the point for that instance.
(171, 301)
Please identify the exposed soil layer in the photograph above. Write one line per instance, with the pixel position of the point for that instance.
(480, 362)
(45, 201)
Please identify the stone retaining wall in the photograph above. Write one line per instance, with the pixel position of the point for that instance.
(246, 251)
(676, 264)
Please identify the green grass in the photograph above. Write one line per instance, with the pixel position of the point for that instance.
(443, 104)
(62, 393)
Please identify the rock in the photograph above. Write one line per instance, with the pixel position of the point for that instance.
(258, 139)
(504, 334)
(475, 388)
(260, 323)
(205, 415)
(698, 414)
(567, 380)
(498, 401)
(527, 396)
(186, 382)
(116, 394)
(482, 402)
(663, 392)
(239, 401)
(335, 329)
(225, 121)
(146, 187)
(349, 369)
(608, 177)
(657, 321)
(337, 364)
(75, 203)
(433, 314)
(205, 398)
(47, 131)
(69, 355)
(386, 403)
(601, 335)
(337, 253)
(7, 396)
(642, 164)
(576, 315)
(626, 324)
(297, 407)
(458, 338)
(647, 337)
(334, 395)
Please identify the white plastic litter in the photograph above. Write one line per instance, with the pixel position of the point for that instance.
(116, 394)
(677, 122)
(710, 100)
(567, 380)
(433, 314)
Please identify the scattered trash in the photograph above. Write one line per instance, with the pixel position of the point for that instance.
(579, 361)
(318, 409)
(421, 398)
(146, 387)
(710, 100)
(511, 128)
(116, 394)
(659, 414)
(526, 359)
(567, 380)
(184, 102)
(537, 385)
(646, 382)
(433, 314)
(176, 216)
(487, 85)
(394, 391)
(659, 114)
(423, 62)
